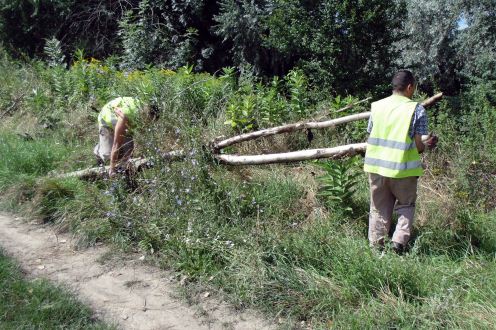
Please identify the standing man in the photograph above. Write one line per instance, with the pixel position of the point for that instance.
(392, 161)
(116, 122)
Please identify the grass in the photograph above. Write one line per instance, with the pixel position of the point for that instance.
(37, 304)
(263, 236)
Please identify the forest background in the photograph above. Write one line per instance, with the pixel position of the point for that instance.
(287, 239)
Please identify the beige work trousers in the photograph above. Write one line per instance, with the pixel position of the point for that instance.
(386, 195)
(106, 140)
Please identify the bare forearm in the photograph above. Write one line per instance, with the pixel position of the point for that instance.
(114, 155)
(120, 129)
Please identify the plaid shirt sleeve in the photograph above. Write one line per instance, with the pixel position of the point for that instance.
(419, 124)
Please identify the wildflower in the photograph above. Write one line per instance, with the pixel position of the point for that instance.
(109, 214)
(178, 131)
(179, 201)
(194, 162)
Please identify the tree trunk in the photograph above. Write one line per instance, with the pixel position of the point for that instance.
(295, 156)
(137, 164)
(218, 145)
(334, 153)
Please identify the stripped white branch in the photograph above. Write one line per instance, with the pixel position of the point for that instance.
(295, 156)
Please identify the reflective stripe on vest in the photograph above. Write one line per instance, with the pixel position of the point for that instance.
(391, 144)
(390, 150)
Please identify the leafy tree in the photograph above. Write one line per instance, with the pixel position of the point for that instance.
(429, 45)
(477, 42)
(174, 33)
(343, 45)
(443, 53)
(91, 24)
(243, 25)
(26, 24)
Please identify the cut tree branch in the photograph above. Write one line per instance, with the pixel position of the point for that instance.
(286, 129)
(218, 145)
(295, 156)
(137, 164)
(336, 152)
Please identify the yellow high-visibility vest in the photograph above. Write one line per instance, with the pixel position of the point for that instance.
(130, 107)
(391, 152)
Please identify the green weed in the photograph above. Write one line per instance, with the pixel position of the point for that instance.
(39, 305)
(261, 234)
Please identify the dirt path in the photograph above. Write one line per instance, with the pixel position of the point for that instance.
(130, 294)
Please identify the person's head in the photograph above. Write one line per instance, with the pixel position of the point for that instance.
(404, 83)
(151, 111)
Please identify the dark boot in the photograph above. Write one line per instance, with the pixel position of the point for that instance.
(398, 248)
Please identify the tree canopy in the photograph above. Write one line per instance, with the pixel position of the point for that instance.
(344, 47)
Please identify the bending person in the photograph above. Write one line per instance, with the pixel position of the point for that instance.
(116, 122)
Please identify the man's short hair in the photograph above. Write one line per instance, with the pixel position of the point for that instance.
(402, 79)
(151, 110)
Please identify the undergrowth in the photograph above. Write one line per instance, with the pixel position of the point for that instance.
(37, 304)
(270, 236)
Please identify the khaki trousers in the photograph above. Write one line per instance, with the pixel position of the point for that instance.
(106, 140)
(386, 195)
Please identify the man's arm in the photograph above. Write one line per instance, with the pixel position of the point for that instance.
(119, 133)
(418, 142)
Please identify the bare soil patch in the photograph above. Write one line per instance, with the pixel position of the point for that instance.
(128, 293)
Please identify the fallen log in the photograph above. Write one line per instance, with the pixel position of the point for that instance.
(334, 153)
(295, 156)
(137, 164)
(218, 145)
(432, 100)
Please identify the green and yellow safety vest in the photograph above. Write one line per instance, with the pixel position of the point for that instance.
(129, 106)
(391, 152)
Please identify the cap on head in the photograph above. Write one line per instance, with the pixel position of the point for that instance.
(402, 79)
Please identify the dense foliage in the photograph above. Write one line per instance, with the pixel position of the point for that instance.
(287, 239)
(329, 40)
(274, 237)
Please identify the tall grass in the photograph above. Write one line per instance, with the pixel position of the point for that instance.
(262, 234)
(37, 304)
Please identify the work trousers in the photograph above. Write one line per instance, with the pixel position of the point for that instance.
(105, 142)
(386, 195)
